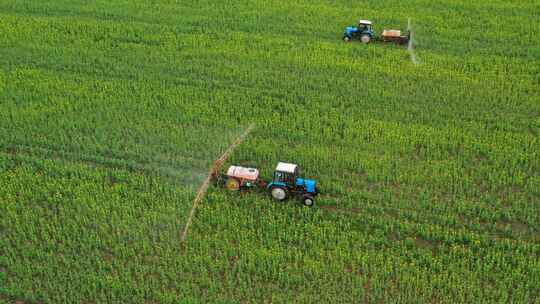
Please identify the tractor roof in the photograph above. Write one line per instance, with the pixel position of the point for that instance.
(367, 22)
(286, 167)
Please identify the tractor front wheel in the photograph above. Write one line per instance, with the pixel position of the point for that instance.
(232, 184)
(365, 38)
(278, 193)
(308, 200)
(346, 38)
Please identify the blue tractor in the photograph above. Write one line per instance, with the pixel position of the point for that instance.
(286, 183)
(362, 32)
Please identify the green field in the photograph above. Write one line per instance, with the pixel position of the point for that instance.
(111, 113)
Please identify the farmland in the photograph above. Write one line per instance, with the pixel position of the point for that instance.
(111, 113)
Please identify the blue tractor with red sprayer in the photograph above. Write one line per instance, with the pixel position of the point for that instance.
(365, 34)
(286, 182)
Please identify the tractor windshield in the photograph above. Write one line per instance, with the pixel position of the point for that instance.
(278, 176)
(284, 177)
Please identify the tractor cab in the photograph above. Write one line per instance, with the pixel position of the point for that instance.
(364, 25)
(285, 174)
(285, 182)
(362, 32)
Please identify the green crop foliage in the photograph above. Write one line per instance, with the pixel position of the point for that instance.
(111, 113)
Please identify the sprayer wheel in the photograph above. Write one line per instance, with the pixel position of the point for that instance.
(232, 184)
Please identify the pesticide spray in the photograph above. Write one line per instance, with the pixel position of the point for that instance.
(184, 167)
(181, 159)
(211, 173)
(410, 47)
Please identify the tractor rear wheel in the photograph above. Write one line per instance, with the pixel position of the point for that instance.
(232, 184)
(278, 193)
(365, 38)
(308, 200)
